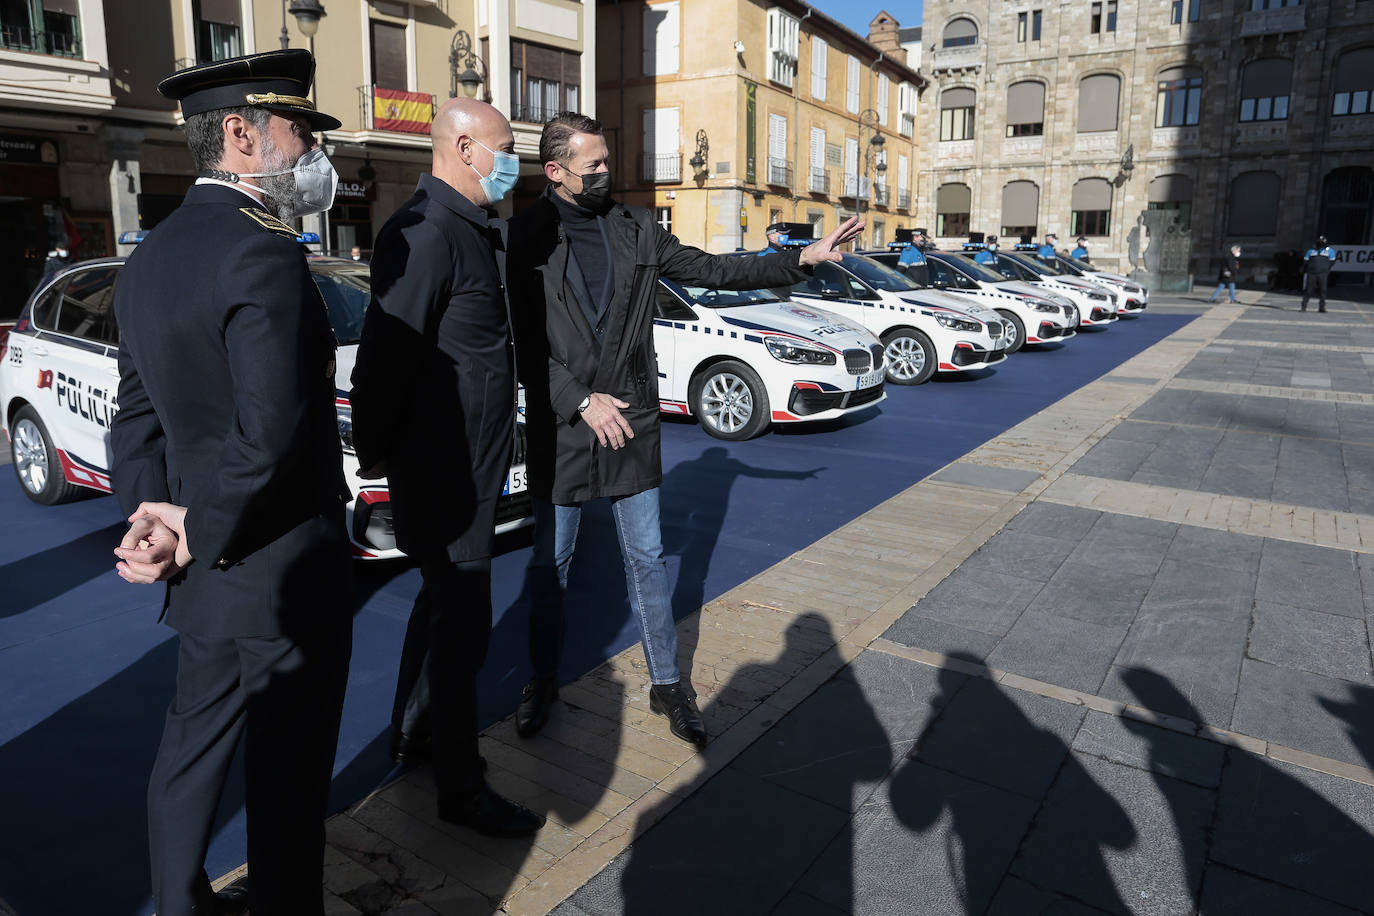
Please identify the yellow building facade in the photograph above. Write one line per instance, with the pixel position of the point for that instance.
(725, 116)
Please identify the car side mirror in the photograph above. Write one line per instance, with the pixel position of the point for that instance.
(832, 291)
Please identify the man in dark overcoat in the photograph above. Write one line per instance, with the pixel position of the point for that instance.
(434, 399)
(584, 271)
(227, 437)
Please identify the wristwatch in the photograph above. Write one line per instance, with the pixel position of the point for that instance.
(586, 402)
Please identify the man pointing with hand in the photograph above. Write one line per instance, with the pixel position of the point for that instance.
(583, 273)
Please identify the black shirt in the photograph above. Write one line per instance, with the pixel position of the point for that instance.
(591, 250)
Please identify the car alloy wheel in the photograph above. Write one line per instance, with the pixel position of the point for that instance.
(730, 401)
(1016, 332)
(35, 461)
(910, 357)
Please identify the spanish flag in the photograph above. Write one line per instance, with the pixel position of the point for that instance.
(409, 112)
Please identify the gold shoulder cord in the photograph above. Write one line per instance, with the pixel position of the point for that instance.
(268, 222)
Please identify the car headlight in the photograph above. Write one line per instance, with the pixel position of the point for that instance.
(345, 417)
(1101, 297)
(957, 324)
(799, 351)
(1046, 307)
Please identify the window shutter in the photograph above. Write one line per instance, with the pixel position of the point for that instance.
(1355, 70)
(1020, 203)
(883, 92)
(960, 28)
(225, 12)
(953, 198)
(958, 97)
(851, 93)
(1091, 194)
(1169, 188)
(1264, 78)
(389, 56)
(851, 166)
(777, 137)
(661, 131)
(1025, 105)
(903, 166)
(818, 73)
(661, 38)
(1098, 97)
(817, 149)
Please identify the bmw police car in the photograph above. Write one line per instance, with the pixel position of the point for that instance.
(1032, 314)
(922, 330)
(59, 381)
(1131, 296)
(1096, 304)
(738, 360)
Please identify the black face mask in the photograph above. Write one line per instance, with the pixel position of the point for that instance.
(596, 191)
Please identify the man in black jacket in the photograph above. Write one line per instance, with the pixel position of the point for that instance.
(584, 270)
(227, 433)
(434, 410)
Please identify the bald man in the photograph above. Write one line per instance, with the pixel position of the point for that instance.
(433, 410)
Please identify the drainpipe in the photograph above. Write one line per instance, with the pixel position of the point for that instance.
(877, 125)
(796, 112)
(620, 134)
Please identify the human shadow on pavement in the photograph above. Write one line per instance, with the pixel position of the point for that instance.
(983, 771)
(1358, 714)
(41, 577)
(696, 499)
(778, 814)
(1281, 826)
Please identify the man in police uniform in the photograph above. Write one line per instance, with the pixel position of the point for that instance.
(1317, 265)
(912, 260)
(1081, 251)
(1046, 249)
(987, 255)
(227, 437)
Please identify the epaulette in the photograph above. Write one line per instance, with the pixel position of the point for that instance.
(269, 222)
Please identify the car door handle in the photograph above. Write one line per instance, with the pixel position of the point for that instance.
(112, 371)
(38, 350)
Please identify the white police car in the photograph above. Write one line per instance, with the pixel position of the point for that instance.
(1096, 304)
(59, 382)
(1131, 296)
(1033, 314)
(922, 330)
(738, 360)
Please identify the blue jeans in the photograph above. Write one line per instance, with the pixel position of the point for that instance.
(1220, 287)
(646, 579)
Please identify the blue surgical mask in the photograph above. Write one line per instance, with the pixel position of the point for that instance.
(505, 172)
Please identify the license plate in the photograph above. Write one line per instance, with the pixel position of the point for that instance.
(869, 380)
(515, 481)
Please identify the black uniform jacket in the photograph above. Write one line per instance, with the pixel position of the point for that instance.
(226, 397)
(561, 361)
(434, 384)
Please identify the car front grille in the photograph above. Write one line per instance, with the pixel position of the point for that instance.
(513, 506)
(856, 362)
(878, 350)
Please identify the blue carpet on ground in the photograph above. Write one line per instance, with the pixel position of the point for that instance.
(88, 671)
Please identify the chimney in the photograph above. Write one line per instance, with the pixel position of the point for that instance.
(882, 34)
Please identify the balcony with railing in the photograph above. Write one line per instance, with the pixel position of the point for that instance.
(63, 42)
(395, 111)
(531, 114)
(820, 181)
(856, 187)
(903, 200)
(880, 196)
(779, 173)
(47, 62)
(661, 168)
(1276, 21)
(967, 57)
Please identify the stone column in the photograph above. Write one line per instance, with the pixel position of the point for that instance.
(125, 180)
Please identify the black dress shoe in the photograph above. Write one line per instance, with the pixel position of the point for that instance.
(232, 901)
(408, 748)
(535, 707)
(490, 814)
(679, 705)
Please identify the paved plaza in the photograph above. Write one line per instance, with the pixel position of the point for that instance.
(1115, 660)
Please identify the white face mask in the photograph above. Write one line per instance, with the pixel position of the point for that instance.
(316, 182)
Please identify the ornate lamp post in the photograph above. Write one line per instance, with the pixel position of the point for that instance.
(307, 13)
(460, 54)
(868, 119)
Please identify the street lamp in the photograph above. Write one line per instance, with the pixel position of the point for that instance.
(460, 52)
(307, 13)
(698, 160)
(873, 151)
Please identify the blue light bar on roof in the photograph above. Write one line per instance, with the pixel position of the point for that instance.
(133, 238)
(308, 238)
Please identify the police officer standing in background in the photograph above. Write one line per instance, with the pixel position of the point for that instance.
(1046, 249)
(987, 256)
(913, 259)
(227, 437)
(1081, 250)
(1317, 265)
(434, 400)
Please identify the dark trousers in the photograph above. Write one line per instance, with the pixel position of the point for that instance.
(445, 648)
(1315, 283)
(283, 697)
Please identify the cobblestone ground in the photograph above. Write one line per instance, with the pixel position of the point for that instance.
(1115, 660)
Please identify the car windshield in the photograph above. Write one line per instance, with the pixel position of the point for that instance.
(1077, 263)
(878, 276)
(726, 298)
(974, 269)
(1033, 264)
(346, 291)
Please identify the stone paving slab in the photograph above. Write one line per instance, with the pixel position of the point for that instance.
(1135, 733)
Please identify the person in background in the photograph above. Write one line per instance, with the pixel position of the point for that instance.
(776, 235)
(58, 258)
(1227, 273)
(1046, 249)
(356, 253)
(1081, 250)
(987, 255)
(913, 260)
(1317, 264)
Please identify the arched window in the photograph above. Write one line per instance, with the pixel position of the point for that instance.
(961, 32)
(1026, 109)
(953, 202)
(1098, 98)
(1354, 83)
(1347, 215)
(1173, 192)
(1254, 207)
(956, 113)
(1178, 98)
(1264, 89)
(1092, 207)
(1020, 209)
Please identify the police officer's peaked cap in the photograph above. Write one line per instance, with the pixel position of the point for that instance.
(276, 80)
(793, 231)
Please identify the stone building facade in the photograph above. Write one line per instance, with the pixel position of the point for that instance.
(727, 115)
(1249, 119)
